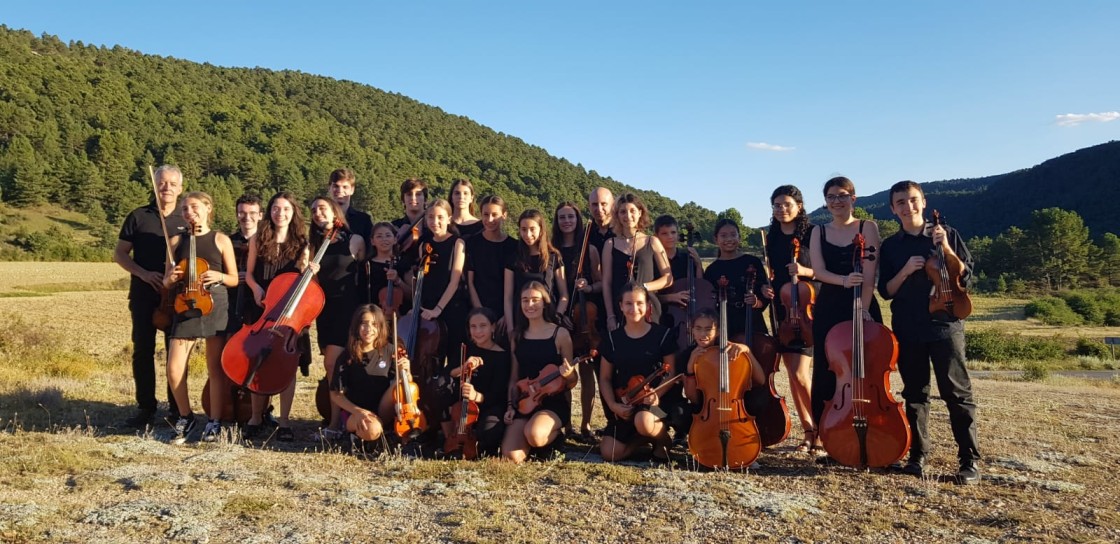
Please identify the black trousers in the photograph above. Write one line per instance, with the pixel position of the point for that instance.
(953, 383)
(141, 306)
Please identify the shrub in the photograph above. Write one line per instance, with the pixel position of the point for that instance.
(1035, 371)
(1052, 311)
(1090, 308)
(992, 345)
(1093, 348)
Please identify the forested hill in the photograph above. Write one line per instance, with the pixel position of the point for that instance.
(1086, 181)
(79, 124)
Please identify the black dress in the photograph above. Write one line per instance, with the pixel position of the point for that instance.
(337, 276)
(466, 232)
(192, 324)
(241, 297)
(454, 314)
(527, 271)
(532, 356)
(779, 249)
(630, 357)
(364, 382)
(834, 305)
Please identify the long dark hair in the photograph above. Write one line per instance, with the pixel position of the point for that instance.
(801, 222)
(557, 235)
(520, 322)
(354, 343)
(296, 241)
(318, 232)
(523, 250)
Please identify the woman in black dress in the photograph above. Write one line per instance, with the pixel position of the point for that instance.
(337, 276)
(487, 257)
(632, 256)
(462, 209)
(535, 260)
(735, 265)
(216, 249)
(831, 250)
(537, 341)
(637, 349)
(489, 387)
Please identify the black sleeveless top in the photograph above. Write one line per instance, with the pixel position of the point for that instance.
(525, 272)
(338, 269)
(439, 273)
(206, 248)
(532, 356)
(645, 270)
(359, 382)
(779, 248)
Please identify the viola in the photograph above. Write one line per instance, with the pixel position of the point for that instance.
(863, 425)
(700, 295)
(532, 391)
(193, 299)
(408, 237)
(410, 420)
(583, 313)
(796, 330)
(263, 357)
(464, 413)
(773, 419)
(949, 300)
(723, 434)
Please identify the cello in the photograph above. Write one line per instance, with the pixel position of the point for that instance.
(773, 417)
(948, 300)
(194, 299)
(263, 357)
(410, 420)
(723, 433)
(422, 337)
(464, 414)
(863, 425)
(699, 293)
(582, 313)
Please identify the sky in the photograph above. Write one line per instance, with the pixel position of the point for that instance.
(712, 102)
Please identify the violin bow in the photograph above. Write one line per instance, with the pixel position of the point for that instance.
(162, 220)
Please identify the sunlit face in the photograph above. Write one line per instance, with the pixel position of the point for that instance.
(530, 232)
(462, 197)
(704, 331)
(908, 206)
(668, 236)
(629, 215)
(785, 208)
(281, 212)
(481, 329)
(341, 191)
(321, 212)
(532, 303)
(383, 240)
(727, 238)
(492, 217)
(414, 200)
(567, 219)
(169, 185)
(438, 220)
(367, 329)
(840, 201)
(196, 211)
(248, 215)
(634, 306)
(600, 203)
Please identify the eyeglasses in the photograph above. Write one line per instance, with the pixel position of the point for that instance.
(782, 206)
(843, 197)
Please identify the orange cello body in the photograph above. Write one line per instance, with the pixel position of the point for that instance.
(773, 418)
(723, 433)
(863, 425)
(796, 330)
(949, 299)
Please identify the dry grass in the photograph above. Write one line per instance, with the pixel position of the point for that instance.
(67, 474)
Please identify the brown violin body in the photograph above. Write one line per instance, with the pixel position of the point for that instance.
(863, 425)
(164, 314)
(464, 414)
(796, 330)
(949, 300)
(194, 298)
(532, 391)
(723, 433)
(584, 315)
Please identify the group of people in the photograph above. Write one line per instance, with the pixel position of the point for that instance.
(518, 304)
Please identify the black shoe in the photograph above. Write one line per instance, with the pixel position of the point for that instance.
(249, 432)
(968, 474)
(183, 427)
(915, 467)
(142, 418)
(285, 434)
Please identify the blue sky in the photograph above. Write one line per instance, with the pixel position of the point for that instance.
(715, 102)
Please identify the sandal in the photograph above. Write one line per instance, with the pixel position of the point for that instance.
(807, 443)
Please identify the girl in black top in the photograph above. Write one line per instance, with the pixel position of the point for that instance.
(279, 246)
(338, 278)
(487, 256)
(381, 269)
(637, 349)
(705, 333)
(439, 300)
(733, 264)
(831, 252)
(537, 341)
(567, 234)
(216, 249)
(633, 257)
(365, 374)
(535, 260)
(790, 222)
(489, 385)
(462, 206)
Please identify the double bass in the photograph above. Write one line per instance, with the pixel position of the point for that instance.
(773, 417)
(263, 357)
(193, 298)
(863, 425)
(796, 330)
(700, 295)
(583, 313)
(948, 300)
(723, 433)
(464, 414)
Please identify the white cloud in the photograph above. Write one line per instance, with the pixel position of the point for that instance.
(768, 147)
(1074, 119)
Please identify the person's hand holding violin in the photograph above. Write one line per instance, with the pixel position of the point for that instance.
(469, 393)
(432, 314)
(212, 277)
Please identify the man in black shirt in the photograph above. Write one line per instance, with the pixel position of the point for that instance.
(923, 337)
(241, 308)
(341, 187)
(142, 251)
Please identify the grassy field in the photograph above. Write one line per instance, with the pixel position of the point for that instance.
(69, 474)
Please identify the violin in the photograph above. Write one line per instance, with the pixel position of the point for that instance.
(389, 298)
(532, 391)
(464, 413)
(796, 330)
(723, 434)
(863, 425)
(407, 238)
(772, 420)
(410, 421)
(638, 391)
(582, 313)
(700, 294)
(948, 299)
(194, 299)
(263, 357)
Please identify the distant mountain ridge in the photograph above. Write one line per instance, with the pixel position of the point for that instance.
(1086, 181)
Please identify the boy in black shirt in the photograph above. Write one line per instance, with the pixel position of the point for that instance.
(923, 337)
